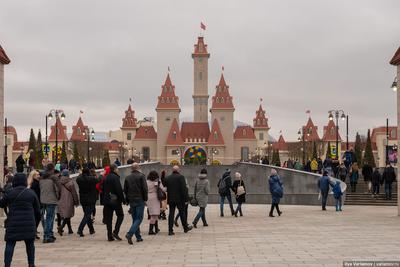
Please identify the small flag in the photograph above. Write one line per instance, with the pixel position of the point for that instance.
(81, 111)
(308, 111)
(223, 68)
(168, 69)
(280, 132)
(202, 26)
(261, 100)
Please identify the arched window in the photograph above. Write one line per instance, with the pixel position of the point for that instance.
(174, 135)
(215, 135)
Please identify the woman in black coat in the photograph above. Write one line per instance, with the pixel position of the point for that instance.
(24, 212)
(241, 198)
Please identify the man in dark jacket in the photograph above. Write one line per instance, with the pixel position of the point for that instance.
(113, 197)
(224, 190)
(367, 174)
(20, 162)
(323, 185)
(88, 197)
(135, 188)
(50, 188)
(24, 212)
(388, 177)
(376, 180)
(177, 197)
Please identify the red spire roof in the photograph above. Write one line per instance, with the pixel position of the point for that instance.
(61, 132)
(78, 131)
(129, 121)
(396, 58)
(195, 131)
(200, 49)
(330, 132)
(222, 99)
(3, 56)
(216, 137)
(168, 99)
(260, 121)
(310, 131)
(281, 145)
(244, 132)
(174, 135)
(146, 132)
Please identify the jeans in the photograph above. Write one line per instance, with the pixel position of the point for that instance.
(185, 210)
(222, 201)
(201, 214)
(49, 213)
(239, 208)
(87, 219)
(388, 190)
(182, 215)
(137, 212)
(324, 197)
(375, 189)
(108, 212)
(338, 204)
(9, 251)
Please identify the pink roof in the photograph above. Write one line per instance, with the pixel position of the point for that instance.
(11, 131)
(396, 58)
(281, 145)
(146, 132)
(3, 56)
(311, 131)
(168, 99)
(78, 131)
(260, 121)
(222, 99)
(330, 132)
(61, 132)
(129, 121)
(200, 49)
(195, 130)
(216, 137)
(244, 132)
(382, 130)
(174, 135)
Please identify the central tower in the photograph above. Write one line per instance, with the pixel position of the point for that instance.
(200, 77)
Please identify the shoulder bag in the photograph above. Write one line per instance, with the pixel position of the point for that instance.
(194, 201)
(161, 195)
(240, 189)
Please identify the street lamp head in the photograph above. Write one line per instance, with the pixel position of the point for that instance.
(50, 116)
(394, 85)
(330, 116)
(343, 117)
(299, 133)
(298, 138)
(92, 138)
(62, 116)
(92, 132)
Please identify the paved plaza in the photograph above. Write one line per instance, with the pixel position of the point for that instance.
(303, 236)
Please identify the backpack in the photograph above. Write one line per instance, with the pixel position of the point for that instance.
(222, 186)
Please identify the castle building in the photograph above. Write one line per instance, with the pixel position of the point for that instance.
(210, 139)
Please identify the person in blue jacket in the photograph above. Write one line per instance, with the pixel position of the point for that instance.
(276, 189)
(337, 194)
(323, 185)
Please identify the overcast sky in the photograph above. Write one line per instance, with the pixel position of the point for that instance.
(296, 55)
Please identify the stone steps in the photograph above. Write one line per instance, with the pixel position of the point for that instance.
(362, 197)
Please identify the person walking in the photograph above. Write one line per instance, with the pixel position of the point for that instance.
(342, 172)
(49, 194)
(154, 187)
(20, 163)
(388, 177)
(178, 196)
(201, 192)
(354, 177)
(113, 197)
(87, 196)
(323, 185)
(337, 194)
(224, 190)
(314, 165)
(135, 189)
(367, 171)
(33, 183)
(68, 200)
(239, 189)
(24, 213)
(276, 190)
(376, 180)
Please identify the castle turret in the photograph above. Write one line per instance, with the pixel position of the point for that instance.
(168, 111)
(128, 129)
(260, 125)
(200, 78)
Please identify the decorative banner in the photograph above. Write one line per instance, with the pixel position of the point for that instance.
(195, 154)
(45, 149)
(333, 150)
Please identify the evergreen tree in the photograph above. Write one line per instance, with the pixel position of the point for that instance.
(106, 158)
(328, 150)
(315, 153)
(64, 158)
(39, 151)
(368, 155)
(75, 152)
(276, 161)
(358, 149)
(32, 141)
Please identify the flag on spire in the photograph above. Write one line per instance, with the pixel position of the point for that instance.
(130, 99)
(308, 111)
(202, 26)
(81, 111)
(261, 100)
(223, 68)
(169, 69)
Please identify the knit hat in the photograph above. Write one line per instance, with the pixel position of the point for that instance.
(274, 172)
(65, 172)
(19, 179)
(203, 171)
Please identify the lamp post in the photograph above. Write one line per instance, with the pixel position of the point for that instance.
(302, 137)
(89, 132)
(55, 113)
(337, 113)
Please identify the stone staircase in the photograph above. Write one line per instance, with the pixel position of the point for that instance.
(362, 197)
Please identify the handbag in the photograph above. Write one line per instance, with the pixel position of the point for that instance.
(161, 195)
(240, 189)
(114, 199)
(193, 201)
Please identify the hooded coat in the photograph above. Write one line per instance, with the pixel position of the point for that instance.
(276, 188)
(24, 211)
(228, 184)
(68, 198)
(153, 203)
(202, 190)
